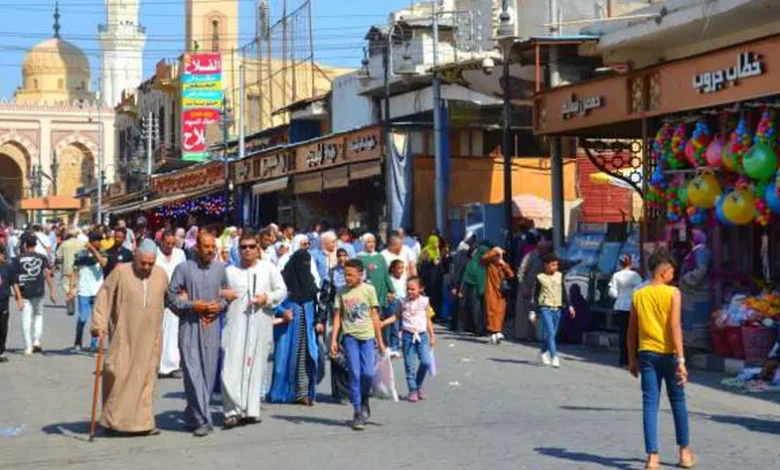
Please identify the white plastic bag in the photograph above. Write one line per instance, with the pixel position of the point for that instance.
(384, 378)
(432, 371)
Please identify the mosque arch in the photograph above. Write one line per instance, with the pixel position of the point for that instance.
(14, 168)
(76, 168)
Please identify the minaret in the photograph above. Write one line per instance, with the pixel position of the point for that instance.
(122, 41)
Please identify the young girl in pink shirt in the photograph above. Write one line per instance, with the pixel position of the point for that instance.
(417, 335)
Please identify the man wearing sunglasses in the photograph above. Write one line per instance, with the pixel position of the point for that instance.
(255, 289)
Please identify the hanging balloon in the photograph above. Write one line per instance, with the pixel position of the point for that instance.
(739, 206)
(740, 142)
(765, 130)
(676, 155)
(714, 153)
(719, 215)
(760, 162)
(703, 190)
(698, 216)
(682, 194)
(772, 197)
(697, 145)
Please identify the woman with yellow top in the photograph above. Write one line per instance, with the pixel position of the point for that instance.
(655, 350)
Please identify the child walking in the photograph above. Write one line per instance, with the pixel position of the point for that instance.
(356, 316)
(390, 330)
(550, 299)
(418, 337)
(655, 350)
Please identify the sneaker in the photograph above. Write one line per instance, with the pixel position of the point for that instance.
(414, 397)
(493, 339)
(545, 357)
(37, 349)
(500, 337)
(366, 409)
(28, 351)
(394, 354)
(556, 362)
(3, 358)
(202, 431)
(76, 348)
(358, 423)
(422, 394)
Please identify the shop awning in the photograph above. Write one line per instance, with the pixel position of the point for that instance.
(365, 170)
(540, 210)
(308, 183)
(265, 187)
(336, 178)
(60, 203)
(124, 208)
(166, 200)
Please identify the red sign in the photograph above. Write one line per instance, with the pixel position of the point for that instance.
(194, 128)
(203, 63)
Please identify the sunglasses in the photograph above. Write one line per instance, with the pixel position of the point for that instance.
(247, 247)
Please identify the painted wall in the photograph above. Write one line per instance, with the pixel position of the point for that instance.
(349, 109)
(481, 180)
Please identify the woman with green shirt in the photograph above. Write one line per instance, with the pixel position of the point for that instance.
(377, 272)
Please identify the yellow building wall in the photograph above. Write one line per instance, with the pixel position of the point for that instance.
(481, 180)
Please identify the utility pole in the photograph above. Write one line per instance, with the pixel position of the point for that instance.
(226, 171)
(241, 125)
(149, 136)
(101, 164)
(506, 40)
(556, 157)
(391, 224)
(441, 190)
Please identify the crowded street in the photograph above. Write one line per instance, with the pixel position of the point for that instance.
(489, 407)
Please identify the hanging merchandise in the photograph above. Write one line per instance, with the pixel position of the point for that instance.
(696, 146)
(714, 153)
(760, 162)
(719, 215)
(655, 195)
(676, 155)
(739, 206)
(763, 213)
(772, 197)
(703, 190)
(740, 142)
(675, 191)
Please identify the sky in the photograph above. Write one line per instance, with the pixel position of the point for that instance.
(338, 30)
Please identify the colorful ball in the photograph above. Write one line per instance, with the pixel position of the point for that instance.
(703, 190)
(739, 207)
(772, 197)
(714, 153)
(760, 162)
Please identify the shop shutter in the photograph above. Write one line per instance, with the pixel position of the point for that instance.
(336, 178)
(308, 183)
(365, 170)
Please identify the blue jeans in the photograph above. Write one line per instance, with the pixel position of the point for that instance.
(360, 365)
(655, 368)
(390, 332)
(414, 353)
(85, 304)
(550, 318)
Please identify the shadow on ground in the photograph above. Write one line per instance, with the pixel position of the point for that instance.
(621, 463)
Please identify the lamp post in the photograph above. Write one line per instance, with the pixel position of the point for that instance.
(506, 39)
(55, 168)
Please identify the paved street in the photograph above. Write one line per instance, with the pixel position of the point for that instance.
(490, 407)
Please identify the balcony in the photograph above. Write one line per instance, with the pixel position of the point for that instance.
(102, 28)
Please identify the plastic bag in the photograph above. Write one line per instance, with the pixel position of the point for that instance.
(432, 370)
(384, 378)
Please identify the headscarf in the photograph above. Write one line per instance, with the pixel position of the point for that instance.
(432, 248)
(475, 271)
(226, 238)
(192, 238)
(331, 255)
(296, 242)
(368, 236)
(179, 237)
(295, 246)
(298, 278)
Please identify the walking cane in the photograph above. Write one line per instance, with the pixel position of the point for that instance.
(250, 309)
(96, 389)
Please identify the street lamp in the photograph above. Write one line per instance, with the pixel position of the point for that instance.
(506, 39)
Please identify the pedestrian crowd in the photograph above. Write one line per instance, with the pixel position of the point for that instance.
(257, 314)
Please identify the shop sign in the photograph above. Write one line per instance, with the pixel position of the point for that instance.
(747, 65)
(364, 145)
(278, 164)
(322, 154)
(203, 177)
(574, 107)
(201, 101)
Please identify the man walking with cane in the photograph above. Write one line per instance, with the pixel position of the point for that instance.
(129, 307)
(255, 289)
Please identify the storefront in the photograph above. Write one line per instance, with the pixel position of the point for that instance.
(334, 178)
(697, 139)
(195, 193)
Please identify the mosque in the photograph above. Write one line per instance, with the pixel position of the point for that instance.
(52, 134)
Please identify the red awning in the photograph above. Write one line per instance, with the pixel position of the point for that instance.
(60, 203)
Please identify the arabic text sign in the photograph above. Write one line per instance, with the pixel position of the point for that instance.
(747, 65)
(574, 107)
(202, 97)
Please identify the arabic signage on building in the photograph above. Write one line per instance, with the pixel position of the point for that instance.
(201, 100)
(324, 153)
(364, 145)
(201, 177)
(747, 65)
(262, 167)
(574, 107)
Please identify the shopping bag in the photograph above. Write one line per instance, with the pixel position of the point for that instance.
(432, 369)
(384, 378)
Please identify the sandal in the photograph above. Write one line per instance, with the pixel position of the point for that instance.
(230, 422)
(689, 464)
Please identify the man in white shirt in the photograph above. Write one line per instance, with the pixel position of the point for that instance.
(396, 250)
(168, 258)
(43, 246)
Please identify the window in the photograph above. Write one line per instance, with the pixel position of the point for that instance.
(215, 35)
